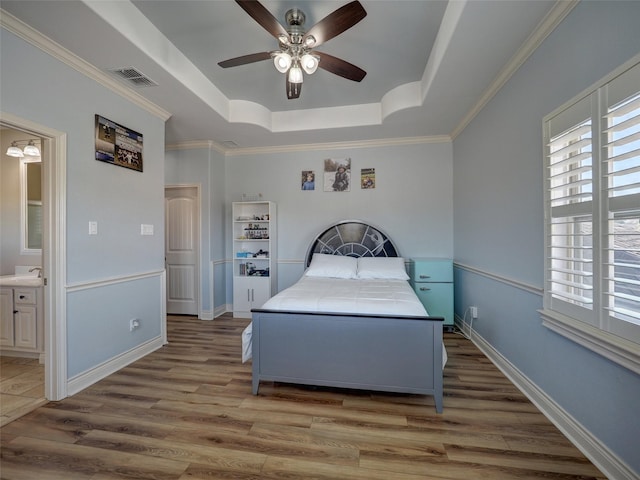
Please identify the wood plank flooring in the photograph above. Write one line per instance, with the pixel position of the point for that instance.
(186, 412)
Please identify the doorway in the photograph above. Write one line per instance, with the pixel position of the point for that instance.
(53, 161)
(182, 249)
(21, 329)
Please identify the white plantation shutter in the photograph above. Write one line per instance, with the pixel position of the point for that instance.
(570, 205)
(592, 215)
(621, 186)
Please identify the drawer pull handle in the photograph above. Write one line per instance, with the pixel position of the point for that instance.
(22, 297)
(424, 289)
(425, 276)
(15, 311)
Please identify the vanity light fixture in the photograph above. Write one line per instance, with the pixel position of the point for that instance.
(14, 150)
(29, 149)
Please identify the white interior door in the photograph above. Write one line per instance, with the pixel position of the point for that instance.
(182, 244)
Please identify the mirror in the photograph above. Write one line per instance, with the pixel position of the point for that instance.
(31, 206)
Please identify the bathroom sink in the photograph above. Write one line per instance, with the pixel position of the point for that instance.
(20, 281)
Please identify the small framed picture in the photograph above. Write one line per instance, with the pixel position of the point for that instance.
(368, 178)
(337, 175)
(308, 180)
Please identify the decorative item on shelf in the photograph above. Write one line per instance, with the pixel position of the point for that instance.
(244, 254)
(254, 231)
(261, 254)
(251, 197)
(252, 271)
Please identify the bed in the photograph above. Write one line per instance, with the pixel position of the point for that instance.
(352, 321)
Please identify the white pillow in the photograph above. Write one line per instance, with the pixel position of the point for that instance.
(333, 266)
(389, 268)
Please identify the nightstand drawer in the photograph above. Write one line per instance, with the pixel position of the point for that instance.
(437, 298)
(431, 270)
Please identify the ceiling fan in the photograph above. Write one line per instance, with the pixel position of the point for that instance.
(296, 47)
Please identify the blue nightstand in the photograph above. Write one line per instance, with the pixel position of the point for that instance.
(432, 280)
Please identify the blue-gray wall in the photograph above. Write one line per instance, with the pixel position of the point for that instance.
(412, 201)
(103, 285)
(498, 223)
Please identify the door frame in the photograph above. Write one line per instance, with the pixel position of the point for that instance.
(198, 236)
(54, 190)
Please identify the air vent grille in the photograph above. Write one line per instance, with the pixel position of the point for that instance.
(134, 76)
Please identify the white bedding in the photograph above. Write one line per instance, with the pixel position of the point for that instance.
(337, 295)
(320, 294)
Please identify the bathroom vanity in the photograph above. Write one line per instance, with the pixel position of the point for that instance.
(21, 317)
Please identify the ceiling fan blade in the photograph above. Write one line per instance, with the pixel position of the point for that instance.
(264, 17)
(293, 90)
(243, 60)
(337, 22)
(340, 67)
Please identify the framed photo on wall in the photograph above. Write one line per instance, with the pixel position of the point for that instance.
(368, 178)
(308, 180)
(118, 145)
(337, 175)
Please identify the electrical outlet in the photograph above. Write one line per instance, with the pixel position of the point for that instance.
(134, 323)
(474, 312)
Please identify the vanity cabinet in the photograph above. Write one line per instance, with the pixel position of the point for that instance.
(6, 317)
(21, 323)
(432, 280)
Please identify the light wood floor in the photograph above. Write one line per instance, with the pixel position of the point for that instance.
(21, 387)
(186, 412)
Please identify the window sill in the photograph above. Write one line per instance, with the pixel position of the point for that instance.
(616, 349)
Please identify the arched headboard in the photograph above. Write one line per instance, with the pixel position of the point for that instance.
(352, 238)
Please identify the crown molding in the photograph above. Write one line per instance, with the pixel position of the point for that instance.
(381, 142)
(44, 43)
(196, 145)
(548, 24)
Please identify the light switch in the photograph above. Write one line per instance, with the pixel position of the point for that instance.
(146, 229)
(93, 228)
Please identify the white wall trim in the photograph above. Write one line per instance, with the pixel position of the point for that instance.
(222, 309)
(163, 307)
(76, 287)
(617, 349)
(527, 287)
(376, 143)
(609, 463)
(44, 43)
(97, 373)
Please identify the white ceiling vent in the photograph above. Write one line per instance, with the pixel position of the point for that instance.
(134, 76)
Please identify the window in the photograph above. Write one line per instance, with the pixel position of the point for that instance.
(592, 219)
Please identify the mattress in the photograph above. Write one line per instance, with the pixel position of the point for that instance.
(336, 295)
(320, 294)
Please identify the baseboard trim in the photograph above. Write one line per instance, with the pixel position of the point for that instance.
(93, 375)
(609, 463)
(222, 309)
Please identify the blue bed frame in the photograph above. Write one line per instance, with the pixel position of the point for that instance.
(392, 354)
(400, 354)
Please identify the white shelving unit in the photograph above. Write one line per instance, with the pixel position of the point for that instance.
(254, 255)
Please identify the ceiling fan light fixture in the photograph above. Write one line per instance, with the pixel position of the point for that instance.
(309, 63)
(282, 62)
(31, 150)
(15, 151)
(310, 41)
(295, 74)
